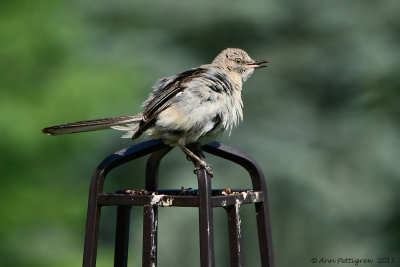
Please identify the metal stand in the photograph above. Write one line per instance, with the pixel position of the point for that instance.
(204, 198)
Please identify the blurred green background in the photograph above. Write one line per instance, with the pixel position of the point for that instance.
(322, 120)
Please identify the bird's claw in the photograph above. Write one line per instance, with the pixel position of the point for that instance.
(209, 170)
(206, 166)
(196, 169)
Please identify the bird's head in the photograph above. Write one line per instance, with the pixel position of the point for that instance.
(238, 61)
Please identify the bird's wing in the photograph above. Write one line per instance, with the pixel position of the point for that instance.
(164, 96)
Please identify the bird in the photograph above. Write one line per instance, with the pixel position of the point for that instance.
(187, 110)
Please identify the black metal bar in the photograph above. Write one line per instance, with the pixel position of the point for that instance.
(125, 155)
(150, 221)
(177, 200)
(239, 157)
(235, 234)
(150, 211)
(92, 226)
(205, 219)
(264, 234)
(203, 198)
(152, 166)
(96, 187)
(258, 180)
(122, 236)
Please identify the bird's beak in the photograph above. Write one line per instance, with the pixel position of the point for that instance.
(258, 64)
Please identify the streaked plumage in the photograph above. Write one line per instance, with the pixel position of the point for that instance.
(193, 107)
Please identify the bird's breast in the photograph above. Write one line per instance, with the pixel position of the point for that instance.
(200, 112)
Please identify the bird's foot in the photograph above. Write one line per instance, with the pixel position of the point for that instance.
(206, 166)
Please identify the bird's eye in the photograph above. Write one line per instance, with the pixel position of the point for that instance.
(238, 60)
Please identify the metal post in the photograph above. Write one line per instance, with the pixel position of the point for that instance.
(203, 199)
(235, 234)
(150, 222)
(92, 225)
(205, 220)
(150, 212)
(258, 181)
(122, 236)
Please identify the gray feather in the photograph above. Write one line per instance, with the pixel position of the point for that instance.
(93, 125)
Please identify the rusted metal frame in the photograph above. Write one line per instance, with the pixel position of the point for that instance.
(235, 234)
(215, 148)
(258, 181)
(150, 222)
(150, 210)
(92, 226)
(206, 230)
(123, 156)
(176, 200)
(152, 167)
(96, 187)
(122, 236)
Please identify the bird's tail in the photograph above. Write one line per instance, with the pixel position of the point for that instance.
(124, 123)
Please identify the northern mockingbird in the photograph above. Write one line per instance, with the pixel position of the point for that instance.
(191, 108)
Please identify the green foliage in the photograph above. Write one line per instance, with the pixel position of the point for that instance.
(323, 121)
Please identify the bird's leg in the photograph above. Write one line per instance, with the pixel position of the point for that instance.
(188, 152)
(196, 149)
